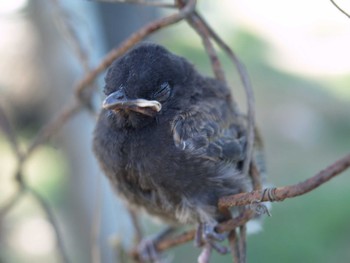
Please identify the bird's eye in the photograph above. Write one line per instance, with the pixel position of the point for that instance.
(163, 93)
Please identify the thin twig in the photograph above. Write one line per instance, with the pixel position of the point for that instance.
(215, 62)
(257, 165)
(281, 193)
(238, 221)
(238, 247)
(54, 125)
(248, 90)
(176, 240)
(232, 238)
(255, 175)
(141, 2)
(189, 235)
(340, 9)
(242, 244)
(204, 30)
(69, 32)
(200, 28)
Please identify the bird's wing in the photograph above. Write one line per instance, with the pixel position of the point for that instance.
(211, 130)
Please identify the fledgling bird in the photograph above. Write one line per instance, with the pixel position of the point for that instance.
(169, 139)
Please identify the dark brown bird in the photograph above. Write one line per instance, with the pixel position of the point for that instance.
(168, 138)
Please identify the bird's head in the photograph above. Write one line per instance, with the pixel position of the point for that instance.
(146, 82)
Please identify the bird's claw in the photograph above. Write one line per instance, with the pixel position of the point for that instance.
(209, 233)
(206, 235)
(147, 248)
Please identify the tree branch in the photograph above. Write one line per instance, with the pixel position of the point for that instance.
(340, 9)
(54, 125)
(203, 32)
(281, 193)
(247, 88)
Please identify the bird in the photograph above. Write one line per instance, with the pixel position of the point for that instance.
(170, 140)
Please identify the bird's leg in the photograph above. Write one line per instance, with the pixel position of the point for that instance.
(198, 238)
(147, 247)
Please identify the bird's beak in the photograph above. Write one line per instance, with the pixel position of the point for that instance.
(117, 101)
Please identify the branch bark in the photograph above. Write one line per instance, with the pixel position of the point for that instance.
(281, 193)
(340, 9)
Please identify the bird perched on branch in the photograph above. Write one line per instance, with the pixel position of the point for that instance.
(169, 139)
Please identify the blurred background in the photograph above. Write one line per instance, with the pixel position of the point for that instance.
(297, 55)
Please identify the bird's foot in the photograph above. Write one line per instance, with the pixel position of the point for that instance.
(206, 233)
(148, 252)
(207, 236)
(147, 248)
(209, 233)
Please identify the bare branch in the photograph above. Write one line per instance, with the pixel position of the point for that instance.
(340, 9)
(69, 32)
(200, 28)
(215, 62)
(177, 240)
(238, 221)
(281, 193)
(48, 130)
(233, 241)
(243, 243)
(248, 90)
(189, 235)
(254, 172)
